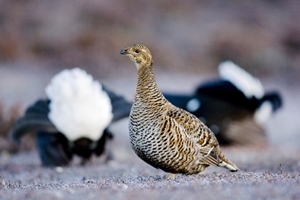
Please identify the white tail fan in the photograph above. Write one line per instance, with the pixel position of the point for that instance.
(79, 107)
(263, 113)
(246, 83)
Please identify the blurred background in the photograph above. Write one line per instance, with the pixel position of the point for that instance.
(189, 36)
(188, 39)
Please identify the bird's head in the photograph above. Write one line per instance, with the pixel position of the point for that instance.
(139, 54)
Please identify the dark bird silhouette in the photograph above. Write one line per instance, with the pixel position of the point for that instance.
(165, 136)
(235, 106)
(74, 120)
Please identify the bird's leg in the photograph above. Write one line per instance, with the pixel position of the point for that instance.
(171, 176)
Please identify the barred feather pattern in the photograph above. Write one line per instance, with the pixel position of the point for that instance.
(168, 137)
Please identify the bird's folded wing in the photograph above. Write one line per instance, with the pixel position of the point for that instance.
(209, 157)
(187, 120)
(190, 126)
(193, 127)
(35, 118)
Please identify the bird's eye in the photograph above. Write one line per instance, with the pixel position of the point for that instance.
(137, 51)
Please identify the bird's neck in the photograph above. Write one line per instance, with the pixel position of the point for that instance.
(146, 86)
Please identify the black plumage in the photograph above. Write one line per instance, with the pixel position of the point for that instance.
(55, 149)
(224, 107)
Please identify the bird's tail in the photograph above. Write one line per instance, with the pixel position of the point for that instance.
(245, 82)
(224, 162)
(35, 118)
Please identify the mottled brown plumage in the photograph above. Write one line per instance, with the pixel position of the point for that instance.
(166, 136)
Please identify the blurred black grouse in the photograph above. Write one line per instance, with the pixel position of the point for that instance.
(234, 106)
(74, 120)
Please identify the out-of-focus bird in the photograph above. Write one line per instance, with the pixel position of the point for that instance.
(234, 107)
(73, 120)
(165, 136)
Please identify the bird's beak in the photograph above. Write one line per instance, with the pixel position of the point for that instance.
(123, 51)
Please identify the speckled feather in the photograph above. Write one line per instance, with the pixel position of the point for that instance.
(166, 136)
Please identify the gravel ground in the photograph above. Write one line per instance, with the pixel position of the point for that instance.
(269, 172)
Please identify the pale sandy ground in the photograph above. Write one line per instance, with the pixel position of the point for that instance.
(270, 172)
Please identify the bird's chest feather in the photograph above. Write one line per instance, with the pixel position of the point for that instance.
(142, 130)
(143, 127)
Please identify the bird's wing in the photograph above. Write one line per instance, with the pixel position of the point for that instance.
(222, 90)
(194, 130)
(54, 149)
(121, 107)
(35, 118)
